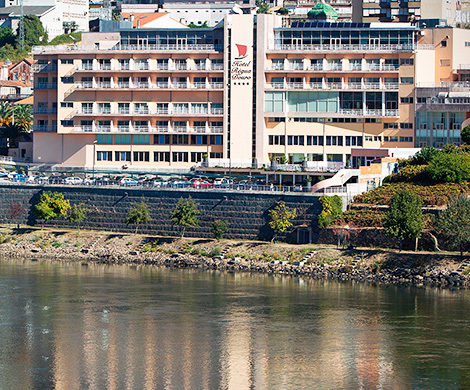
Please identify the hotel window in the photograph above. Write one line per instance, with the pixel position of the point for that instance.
(406, 80)
(162, 64)
(216, 155)
(277, 82)
(67, 61)
(67, 80)
(67, 123)
(390, 125)
(406, 100)
(123, 126)
(334, 140)
(180, 108)
(122, 156)
(274, 101)
(353, 141)
(393, 138)
(216, 140)
(314, 140)
(162, 139)
(406, 125)
(142, 156)
(141, 108)
(122, 139)
(161, 156)
(162, 82)
(180, 156)
(123, 82)
(199, 140)
(104, 156)
(180, 139)
(141, 126)
(277, 140)
(406, 139)
(87, 64)
(199, 108)
(277, 63)
(199, 82)
(217, 64)
(196, 156)
(123, 64)
(406, 61)
(295, 140)
(104, 108)
(104, 126)
(200, 63)
(87, 108)
(123, 108)
(141, 139)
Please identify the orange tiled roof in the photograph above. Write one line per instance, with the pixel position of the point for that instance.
(144, 17)
(10, 83)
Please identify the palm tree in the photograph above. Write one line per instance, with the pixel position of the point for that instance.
(6, 114)
(14, 121)
(23, 117)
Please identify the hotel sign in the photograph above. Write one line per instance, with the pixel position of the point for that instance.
(242, 68)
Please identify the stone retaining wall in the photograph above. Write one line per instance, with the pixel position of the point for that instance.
(246, 213)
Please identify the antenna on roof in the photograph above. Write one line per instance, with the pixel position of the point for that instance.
(22, 26)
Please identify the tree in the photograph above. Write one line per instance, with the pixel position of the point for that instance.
(6, 114)
(16, 121)
(138, 214)
(454, 221)
(51, 205)
(404, 218)
(263, 7)
(34, 33)
(465, 135)
(332, 208)
(283, 11)
(78, 214)
(15, 211)
(185, 214)
(424, 156)
(281, 218)
(449, 168)
(219, 228)
(7, 37)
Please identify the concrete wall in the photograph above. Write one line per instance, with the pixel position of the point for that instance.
(246, 213)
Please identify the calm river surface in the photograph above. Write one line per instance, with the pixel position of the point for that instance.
(65, 326)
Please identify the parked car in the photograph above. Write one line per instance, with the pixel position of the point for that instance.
(179, 184)
(73, 180)
(223, 182)
(201, 184)
(19, 177)
(89, 181)
(128, 182)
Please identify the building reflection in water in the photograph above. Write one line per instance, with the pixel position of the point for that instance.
(118, 327)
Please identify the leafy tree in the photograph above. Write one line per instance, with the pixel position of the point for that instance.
(15, 211)
(192, 25)
(263, 7)
(454, 221)
(281, 217)
(283, 11)
(6, 114)
(332, 208)
(17, 121)
(23, 117)
(138, 214)
(424, 156)
(78, 214)
(404, 218)
(66, 39)
(185, 214)
(7, 37)
(465, 135)
(51, 205)
(34, 33)
(219, 228)
(449, 168)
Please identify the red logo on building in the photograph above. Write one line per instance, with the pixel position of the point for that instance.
(241, 51)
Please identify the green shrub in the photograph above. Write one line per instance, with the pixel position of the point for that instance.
(56, 244)
(332, 208)
(215, 252)
(449, 168)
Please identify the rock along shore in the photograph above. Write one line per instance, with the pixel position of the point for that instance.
(378, 267)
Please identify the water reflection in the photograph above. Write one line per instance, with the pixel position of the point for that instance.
(66, 326)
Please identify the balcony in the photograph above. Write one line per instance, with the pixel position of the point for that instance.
(217, 85)
(42, 68)
(217, 66)
(105, 111)
(84, 128)
(142, 111)
(87, 66)
(103, 129)
(316, 85)
(217, 111)
(45, 86)
(334, 85)
(124, 111)
(104, 85)
(87, 110)
(141, 66)
(355, 67)
(295, 85)
(123, 129)
(199, 129)
(124, 85)
(124, 66)
(354, 85)
(162, 129)
(275, 85)
(44, 128)
(199, 111)
(142, 129)
(142, 85)
(216, 129)
(347, 47)
(372, 85)
(335, 67)
(390, 67)
(277, 67)
(180, 129)
(163, 66)
(199, 85)
(296, 67)
(372, 67)
(181, 66)
(201, 66)
(316, 67)
(163, 84)
(44, 110)
(162, 110)
(105, 66)
(180, 85)
(391, 85)
(392, 112)
(180, 111)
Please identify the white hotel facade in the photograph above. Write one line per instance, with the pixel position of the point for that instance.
(249, 93)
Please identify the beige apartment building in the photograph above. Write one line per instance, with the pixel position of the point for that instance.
(246, 94)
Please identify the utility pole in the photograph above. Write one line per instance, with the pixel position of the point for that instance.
(22, 27)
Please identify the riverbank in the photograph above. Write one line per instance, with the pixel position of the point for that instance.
(319, 262)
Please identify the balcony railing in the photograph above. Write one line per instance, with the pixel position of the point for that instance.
(125, 66)
(277, 67)
(103, 85)
(372, 85)
(141, 66)
(162, 110)
(142, 111)
(354, 85)
(180, 66)
(123, 129)
(143, 129)
(199, 111)
(180, 85)
(45, 86)
(199, 85)
(124, 110)
(44, 128)
(105, 66)
(216, 129)
(87, 66)
(123, 85)
(199, 129)
(84, 128)
(180, 111)
(163, 66)
(372, 67)
(391, 85)
(333, 47)
(38, 68)
(180, 129)
(162, 129)
(103, 129)
(316, 67)
(163, 84)
(295, 85)
(355, 66)
(217, 66)
(334, 85)
(216, 85)
(104, 111)
(217, 111)
(142, 85)
(335, 67)
(44, 110)
(316, 85)
(296, 67)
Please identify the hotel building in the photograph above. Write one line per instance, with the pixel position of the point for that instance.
(250, 92)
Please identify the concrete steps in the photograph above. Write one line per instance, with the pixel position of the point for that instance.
(308, 256)
(463, 266)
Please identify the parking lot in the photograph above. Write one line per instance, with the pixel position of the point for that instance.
(202, 183)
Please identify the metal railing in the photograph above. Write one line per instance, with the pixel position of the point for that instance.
(333, 47)
(45, 86)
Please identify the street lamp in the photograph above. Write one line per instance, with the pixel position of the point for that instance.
(94, 156)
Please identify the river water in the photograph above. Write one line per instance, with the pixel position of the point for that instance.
(66, 326)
